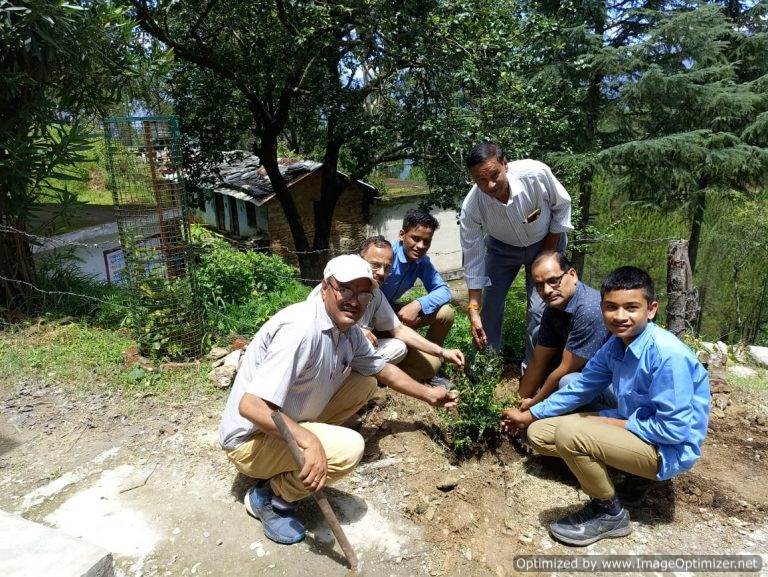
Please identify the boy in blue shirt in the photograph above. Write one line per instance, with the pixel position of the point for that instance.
(411, 262)
(655, 433)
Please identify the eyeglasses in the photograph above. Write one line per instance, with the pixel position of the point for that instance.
(347, 294)
(385, 268)
(553, 282)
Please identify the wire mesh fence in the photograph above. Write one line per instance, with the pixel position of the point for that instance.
(144, 166)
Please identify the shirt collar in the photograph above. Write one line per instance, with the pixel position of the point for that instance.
(571, 304)
(400, 254)
(640, 343)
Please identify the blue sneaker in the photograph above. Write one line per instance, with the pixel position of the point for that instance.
(278, 517)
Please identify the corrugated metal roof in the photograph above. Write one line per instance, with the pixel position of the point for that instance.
(242, 176)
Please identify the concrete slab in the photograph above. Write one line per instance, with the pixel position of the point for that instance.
(28, 549)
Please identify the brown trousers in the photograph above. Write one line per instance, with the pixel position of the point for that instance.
(589, 447)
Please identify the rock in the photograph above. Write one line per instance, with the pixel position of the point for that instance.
(448, 482)
(216, 353)
(742, 371)
(525, 538)
(233, 359)
(218, 362)
(759, 355)
(239, 343)
(430, 514)
(720, 401)
(719, 386)
(722, 348)
(222, 376)
(707, 499)
(168, 430)
(761, 420)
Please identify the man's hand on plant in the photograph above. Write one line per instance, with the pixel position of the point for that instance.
(514, 421)
(371, 337)
(315, 471)
(454, 356)
(440, 397)
(409, 314)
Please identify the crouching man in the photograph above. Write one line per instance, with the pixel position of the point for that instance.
(311, 361)
(655, 433)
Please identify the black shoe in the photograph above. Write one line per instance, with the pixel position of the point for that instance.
(633, 490)
(590, 524)
(441, 382)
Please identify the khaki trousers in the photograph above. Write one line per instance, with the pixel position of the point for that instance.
(589, 447)
(267, 457)
(421, 366)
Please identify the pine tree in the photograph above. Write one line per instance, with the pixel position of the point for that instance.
(696, 104)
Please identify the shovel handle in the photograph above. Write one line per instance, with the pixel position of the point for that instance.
(320, 498)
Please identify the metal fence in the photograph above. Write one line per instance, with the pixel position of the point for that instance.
(144, 166)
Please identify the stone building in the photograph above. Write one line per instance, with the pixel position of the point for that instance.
(244, 206)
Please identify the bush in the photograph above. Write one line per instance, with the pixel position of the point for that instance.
(224, 275)
(476, 423)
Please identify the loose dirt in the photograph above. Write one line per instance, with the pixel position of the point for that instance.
(144, 477)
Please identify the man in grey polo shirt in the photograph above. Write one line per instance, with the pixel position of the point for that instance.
(311, 361)
(514, 211)
(571, 332)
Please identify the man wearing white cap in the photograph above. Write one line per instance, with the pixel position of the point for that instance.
(311, 361)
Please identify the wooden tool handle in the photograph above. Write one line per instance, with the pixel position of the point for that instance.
(320, 498)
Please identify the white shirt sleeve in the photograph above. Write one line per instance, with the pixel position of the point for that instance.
(384, 317)
(471, 236)
(559, 202)
(366, 360)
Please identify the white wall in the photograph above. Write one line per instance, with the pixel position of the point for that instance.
(445, 253)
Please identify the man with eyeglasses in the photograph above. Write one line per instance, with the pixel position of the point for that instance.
(515, 211)
(391, 338)
(571, 331)
(313, 363)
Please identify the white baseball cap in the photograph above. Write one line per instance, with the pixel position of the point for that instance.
(348, 267)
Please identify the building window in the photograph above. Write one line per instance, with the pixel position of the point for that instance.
(250, 214)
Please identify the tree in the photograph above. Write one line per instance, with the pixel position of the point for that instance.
(697, 108)
(344, 82)
(59, 61)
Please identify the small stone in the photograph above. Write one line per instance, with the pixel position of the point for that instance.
(222, 376)
(194, 568)
(468, 554)
(233, 359)
(176, 531)
(525, 538)
(219, 542)
(260, 553)
(216, 353)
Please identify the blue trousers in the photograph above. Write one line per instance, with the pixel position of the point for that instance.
(502, 263)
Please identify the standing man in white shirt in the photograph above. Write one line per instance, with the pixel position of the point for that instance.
(313, 363)
(514, 211)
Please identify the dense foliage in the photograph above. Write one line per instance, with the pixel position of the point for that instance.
(476, 422)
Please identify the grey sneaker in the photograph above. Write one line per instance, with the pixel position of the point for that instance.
(441, 382)
(590, 524)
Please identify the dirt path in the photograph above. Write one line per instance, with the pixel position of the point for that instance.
(145, 478)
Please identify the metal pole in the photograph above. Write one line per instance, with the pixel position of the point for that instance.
(320, 498)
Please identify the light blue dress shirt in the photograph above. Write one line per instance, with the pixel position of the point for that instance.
(404, 275)
(662, 391)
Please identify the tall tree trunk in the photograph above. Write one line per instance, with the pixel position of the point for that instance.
(699, 204)
(17, 265)
(593, 105)
(578, 256)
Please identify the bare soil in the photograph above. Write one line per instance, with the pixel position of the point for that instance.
(144, 477)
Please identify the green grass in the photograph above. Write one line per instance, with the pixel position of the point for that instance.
(86, 359)
(759, 381)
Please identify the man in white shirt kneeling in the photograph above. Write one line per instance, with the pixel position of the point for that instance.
(312, 362)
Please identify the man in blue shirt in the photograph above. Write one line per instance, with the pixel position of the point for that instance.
(433, 309)
(655, 433)
(571, 331)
